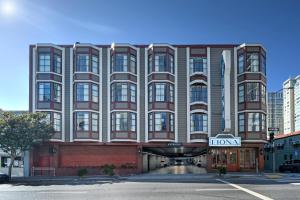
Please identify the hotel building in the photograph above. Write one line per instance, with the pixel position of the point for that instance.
(135, 106)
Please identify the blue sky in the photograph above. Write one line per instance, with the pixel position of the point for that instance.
(274, 23)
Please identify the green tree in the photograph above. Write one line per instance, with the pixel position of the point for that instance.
(19, 133)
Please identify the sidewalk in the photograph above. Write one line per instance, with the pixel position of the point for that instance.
(62, 178)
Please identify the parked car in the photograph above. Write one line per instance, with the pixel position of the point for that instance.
(291, 166)
(4, 178)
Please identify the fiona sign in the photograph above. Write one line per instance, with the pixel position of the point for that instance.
(225, 140)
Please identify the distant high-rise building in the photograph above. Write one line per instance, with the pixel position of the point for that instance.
(275, 111)
(297, 103)
(288, 106)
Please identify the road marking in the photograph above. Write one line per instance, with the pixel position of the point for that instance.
(64, 192)
(246, 190)
(216, 189)
(295, 183)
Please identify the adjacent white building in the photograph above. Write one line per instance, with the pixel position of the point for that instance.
(291, 104)
(297, 103)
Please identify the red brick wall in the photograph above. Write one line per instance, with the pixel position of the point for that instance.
(96, 156)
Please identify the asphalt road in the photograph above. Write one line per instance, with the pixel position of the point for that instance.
(149, 188)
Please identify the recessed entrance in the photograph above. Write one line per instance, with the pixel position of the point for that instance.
(174, 160)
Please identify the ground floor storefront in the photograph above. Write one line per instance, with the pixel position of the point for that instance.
(63, 159)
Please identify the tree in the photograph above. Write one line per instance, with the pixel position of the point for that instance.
(19, 133)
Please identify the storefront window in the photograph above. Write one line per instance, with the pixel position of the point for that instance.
(247, 158)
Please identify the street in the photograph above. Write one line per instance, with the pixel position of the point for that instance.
(164, 186)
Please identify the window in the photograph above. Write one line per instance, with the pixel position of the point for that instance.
(95, 93)
(241, 64)
(133, 122)
(94, 122)
(120, 64)
(263, 64)
(57, 93)
(241, 122)
(82, 63)
(263, 93)
(160, 92)
(198, 64)
(253, 92)
(121, 121)
(171, 87)
(132, 92)
(44, 92)
(198, 122)
(150, 122)
(252, 62)
(95, 64)
(44, 62)
(132, 64)
(57, 122)
(171, 63)
(263, 122)
(150, 64)
(198, 93)
(82, 92)
(160, 63)
(241, 93)
(160, 121)
(253, 122)
(172, 122)
(150, 93)
(119, 92)
(57, 64)
(82, 121)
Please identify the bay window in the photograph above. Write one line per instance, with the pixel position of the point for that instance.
(252, 62)
(160, 92)
(123, 121)
(82, 121)
(123, 92)
(198, 93)
(44, 62)
(253, 122)
(241, 63)
(263, 93)
(241, 93)
(252, 92)
(57, 122)
(161, 62)
(57, 64)
(44, 92)
(198, 122)
(133, 64)
(95, 122)
(57, 92)
(241, 122)
(82, 91)
(82, 63)
(161, 122)
(198, 64)
(120, 63)
(95, 93)
(95, 64)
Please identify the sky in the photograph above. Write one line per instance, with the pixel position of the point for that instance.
(273, 23)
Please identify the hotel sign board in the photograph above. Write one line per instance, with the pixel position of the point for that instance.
(225, 140)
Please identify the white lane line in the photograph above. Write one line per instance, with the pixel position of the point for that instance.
(216, 189)
(295, 183)
(63, 192)
(260, 196)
